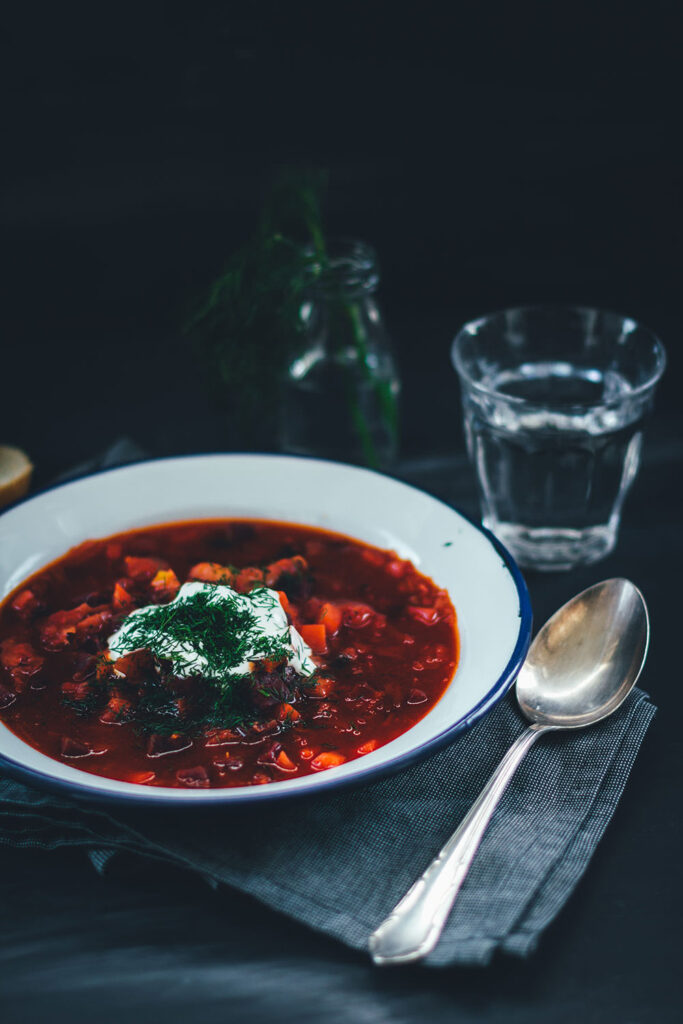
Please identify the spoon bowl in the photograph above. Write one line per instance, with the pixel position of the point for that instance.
(586, 659)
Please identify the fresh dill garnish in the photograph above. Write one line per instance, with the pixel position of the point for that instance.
(248, 324)
(91, 702)
(218, 636)
(209, 635)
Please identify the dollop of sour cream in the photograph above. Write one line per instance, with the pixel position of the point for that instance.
(268, 623)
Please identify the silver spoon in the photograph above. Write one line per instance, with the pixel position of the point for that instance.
(580, 668)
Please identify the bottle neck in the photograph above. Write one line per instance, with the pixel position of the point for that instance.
(346, 272)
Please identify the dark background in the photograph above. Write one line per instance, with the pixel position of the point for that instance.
(495, 155)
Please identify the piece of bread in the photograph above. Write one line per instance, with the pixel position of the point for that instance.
(15, 474)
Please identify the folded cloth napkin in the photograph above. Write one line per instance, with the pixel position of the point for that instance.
(340, 862)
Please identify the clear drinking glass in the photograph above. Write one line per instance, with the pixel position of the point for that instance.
(554, 401)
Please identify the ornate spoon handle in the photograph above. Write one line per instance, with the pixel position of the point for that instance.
(413, 927)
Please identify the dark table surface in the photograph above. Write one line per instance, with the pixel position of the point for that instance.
(494, 158)
(161, 944)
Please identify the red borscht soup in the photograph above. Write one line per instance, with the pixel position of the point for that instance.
(222, 653)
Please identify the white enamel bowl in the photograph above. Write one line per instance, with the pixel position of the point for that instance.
(485, 586)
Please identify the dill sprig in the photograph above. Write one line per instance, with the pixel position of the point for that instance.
(248, 324)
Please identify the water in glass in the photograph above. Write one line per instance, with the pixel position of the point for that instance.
(554, 471)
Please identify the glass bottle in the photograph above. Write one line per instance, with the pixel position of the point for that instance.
(341, 390)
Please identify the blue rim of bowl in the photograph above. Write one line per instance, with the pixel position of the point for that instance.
(252, 795)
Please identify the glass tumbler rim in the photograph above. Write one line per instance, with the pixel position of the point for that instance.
(470, 328)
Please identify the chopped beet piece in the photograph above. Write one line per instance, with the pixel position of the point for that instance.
(134, 667)
(143, 569)
(76, 691)
(193, 778)
(285, 571)
(94, 625)
(160, 746)
(426, 616)
(269, 688)
(17, 655)
(59, 628)
(21, 661)
(84, 666)
(77, 748)
(7, 696)
(416, 697)
(116, 711)
(230, 764)
(356, 615)
(222, 737)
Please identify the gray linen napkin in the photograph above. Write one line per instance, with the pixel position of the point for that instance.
(339, 863)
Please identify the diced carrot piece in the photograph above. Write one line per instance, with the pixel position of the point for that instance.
(315, 636)
(259, 779)
(330, 615)
(165, 585)
(306, 753)
(211, 572)
(288, 711)
(140, 778)
(248, 578)
(328, 759)
(367, 748)
(121, 600)
(284, 601)
(103, 665)
(321, 687)
(372, 556)
(143, 569)
(26, 604)
(284, 762)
